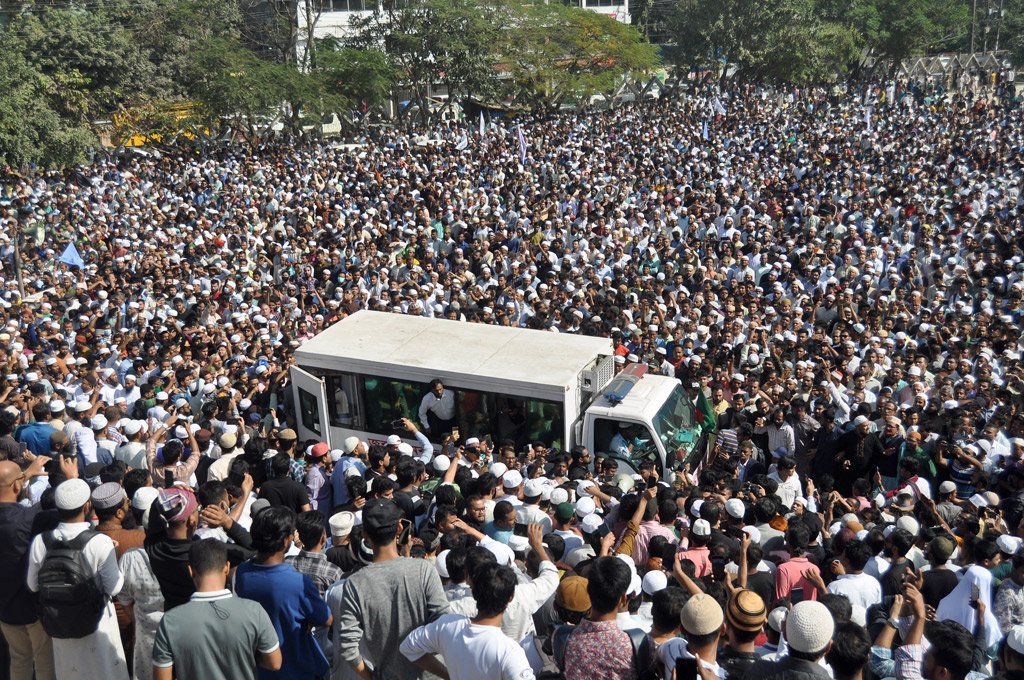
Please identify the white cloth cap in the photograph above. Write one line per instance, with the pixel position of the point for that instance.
(735, 508)
(654, 581)
(585, 507)
(71, 494)
(533, 488)
(591, 523)
(144, 497)
(809, 627)
(559, 496)
(511, 479)
(441, 563)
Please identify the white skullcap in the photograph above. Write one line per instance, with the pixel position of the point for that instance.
(71, 494)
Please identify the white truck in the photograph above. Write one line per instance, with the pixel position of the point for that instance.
(365, 373)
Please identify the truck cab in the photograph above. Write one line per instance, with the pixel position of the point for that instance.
(653, 419)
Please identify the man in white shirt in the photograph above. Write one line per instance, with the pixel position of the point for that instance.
(529, 595)
(100, 653)
(437, 410)
(473, 648)
(789, 481)
(129, 392)
(529, 512)
(858, 587)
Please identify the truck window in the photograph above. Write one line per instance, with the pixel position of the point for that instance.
(309, 411)
(545, 422)
(340, 399)
(475, 413)
(387, 400)
(675, 421)
(633, 442)
(478, 414)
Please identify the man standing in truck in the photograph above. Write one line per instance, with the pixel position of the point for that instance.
(437, 410)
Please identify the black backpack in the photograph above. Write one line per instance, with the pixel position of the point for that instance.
(70, 600)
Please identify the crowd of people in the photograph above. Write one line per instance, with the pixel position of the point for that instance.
(839, 274)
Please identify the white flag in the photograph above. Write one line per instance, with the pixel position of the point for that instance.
(483, 129)
(867, 117)
(463, 143)
(522, 145)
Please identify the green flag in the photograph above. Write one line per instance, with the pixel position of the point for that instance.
(707, 422)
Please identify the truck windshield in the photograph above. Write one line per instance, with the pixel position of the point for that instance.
(674, 422)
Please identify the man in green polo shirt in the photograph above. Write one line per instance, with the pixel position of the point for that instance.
(214, 636)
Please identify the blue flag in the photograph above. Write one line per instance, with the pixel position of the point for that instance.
(71, 258)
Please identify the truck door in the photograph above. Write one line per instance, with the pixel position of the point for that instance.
(311, 405)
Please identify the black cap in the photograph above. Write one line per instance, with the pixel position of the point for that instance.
(381, 515)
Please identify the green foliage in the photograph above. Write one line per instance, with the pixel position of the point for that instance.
(912, 27)
(428, 42)
(235, 87)
(535, 55)
(360, 76)
(31, 129)
(72, 72)
(557, 53)
(807, 41)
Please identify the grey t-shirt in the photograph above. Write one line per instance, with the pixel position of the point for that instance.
(380, 605)
(214, 636)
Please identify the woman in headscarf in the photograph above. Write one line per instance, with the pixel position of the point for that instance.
(957, 605)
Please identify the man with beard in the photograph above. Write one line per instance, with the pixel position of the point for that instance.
(857, 455)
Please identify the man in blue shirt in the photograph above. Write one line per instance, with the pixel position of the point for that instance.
(36, 435)
(354, 461)
(290, 599)
(504, 523)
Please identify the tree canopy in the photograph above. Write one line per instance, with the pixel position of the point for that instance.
(810, 41)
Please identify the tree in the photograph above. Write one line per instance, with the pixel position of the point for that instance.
(803, 41)
(555, 53)
(912, 27)
(801, 49)
(362, 77)
(710, 34)
(431, 42)
(237, 89)
(91, 54)
(32, 131)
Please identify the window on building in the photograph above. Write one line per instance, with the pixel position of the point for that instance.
(344, 5)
